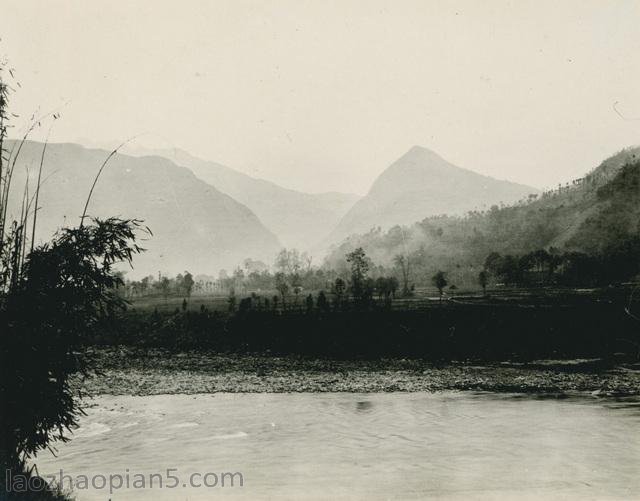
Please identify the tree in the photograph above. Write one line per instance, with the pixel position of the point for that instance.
(164, 284)
(511, 270)
(507, 269)
(244, 305)
(306, 260)
(382, 287)
(403, 263)
(145, 284)
(483, 279)
(386, 287)
(323, 304)
(282, 286)
(360, 264)
(63, 292)
(393, 286)
(339, 288)
(53, 297)
(231, 300)
(493, 263)
(288, 261)
(254, 266)
(537, 266)
(309, 303)
(440, 281)
(238, 278)
(368, 288)
(296, 284)
(187, 283)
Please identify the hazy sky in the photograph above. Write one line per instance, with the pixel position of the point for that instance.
(323, 95)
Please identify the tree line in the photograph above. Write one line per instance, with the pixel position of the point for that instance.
(551, 267)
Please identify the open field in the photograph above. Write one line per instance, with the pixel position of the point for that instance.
(217, 302)
(423, 297)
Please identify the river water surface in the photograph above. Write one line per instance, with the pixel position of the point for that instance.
(357, 446)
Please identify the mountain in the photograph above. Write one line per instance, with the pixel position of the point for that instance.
(195, 226)
(596, 215)
(299, 219)
(421, 184)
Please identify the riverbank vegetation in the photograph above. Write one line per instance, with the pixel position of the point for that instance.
(465, 328)
(52, 295)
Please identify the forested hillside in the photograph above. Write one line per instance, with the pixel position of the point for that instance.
(596, 215)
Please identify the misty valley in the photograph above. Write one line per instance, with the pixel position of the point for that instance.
(262, 290)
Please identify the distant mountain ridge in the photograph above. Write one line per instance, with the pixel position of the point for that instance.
(421, 184)
(299, 219)
(195, 226)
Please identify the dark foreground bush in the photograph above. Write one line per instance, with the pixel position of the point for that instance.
(58, 297)
(441, 332)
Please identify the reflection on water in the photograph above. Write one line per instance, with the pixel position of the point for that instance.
(364, 406)
(354, 446)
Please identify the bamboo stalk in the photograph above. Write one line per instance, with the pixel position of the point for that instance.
(95, 181)
(35, 210)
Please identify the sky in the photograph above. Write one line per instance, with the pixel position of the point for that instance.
(324, 95)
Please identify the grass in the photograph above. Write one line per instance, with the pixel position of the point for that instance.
(170, 304)
(422, 298)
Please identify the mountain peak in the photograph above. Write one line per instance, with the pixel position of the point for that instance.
(417, 167)
(420, 159)
(421, 152)
(420, 184)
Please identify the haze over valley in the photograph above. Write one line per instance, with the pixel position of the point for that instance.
(194, 225)
(298, 249)
(298, 219)
(206, 217)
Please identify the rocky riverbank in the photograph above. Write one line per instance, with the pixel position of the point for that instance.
(122, 371)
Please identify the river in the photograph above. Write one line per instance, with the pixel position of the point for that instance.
(451, 445)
